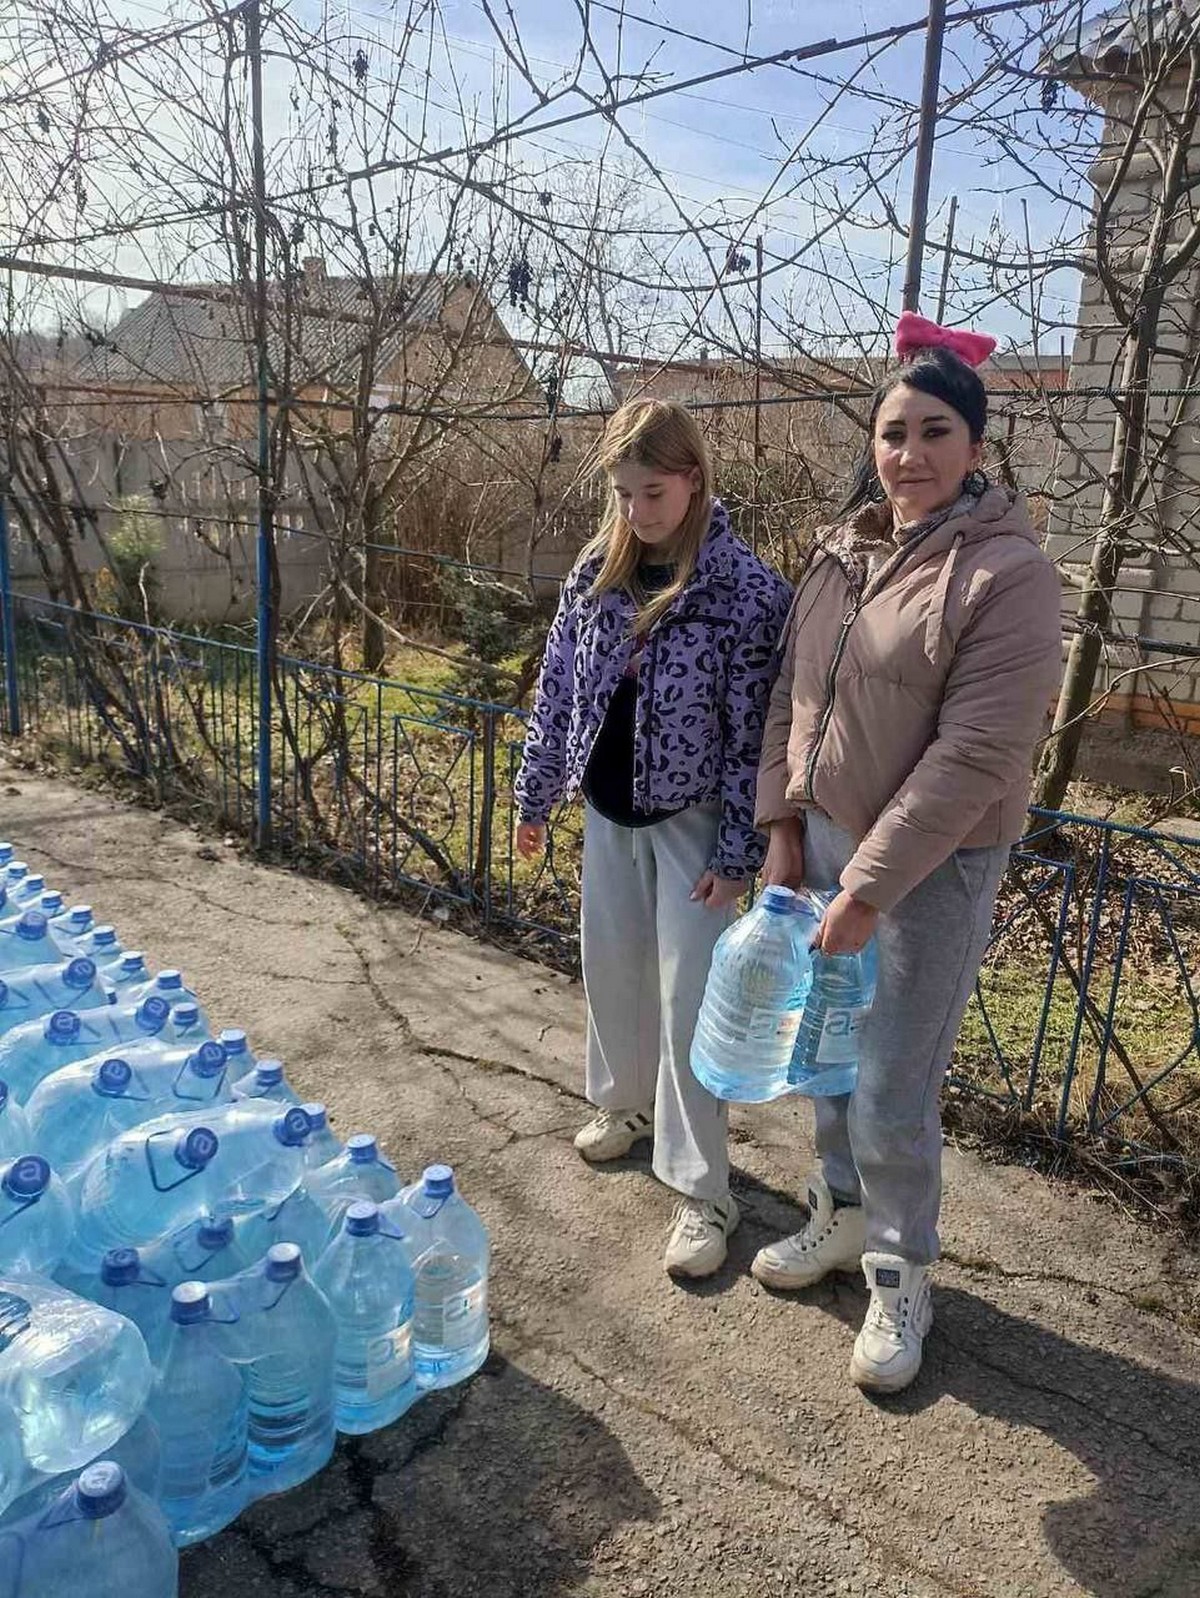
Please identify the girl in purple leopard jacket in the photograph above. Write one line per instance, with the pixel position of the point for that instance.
(651, 701)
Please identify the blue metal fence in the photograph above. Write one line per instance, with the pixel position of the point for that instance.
(1086, 1012)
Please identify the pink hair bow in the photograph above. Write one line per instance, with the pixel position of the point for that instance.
(915, 333)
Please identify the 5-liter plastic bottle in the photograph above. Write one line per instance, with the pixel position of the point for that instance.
(80, 1109)
(36, 1217)
(74, 1376)
(825, 1059)
(287, 1337)
(448, 1245)
(103, 946)
(266, 1081)
(358, 1172)
(127, 1286)
(74, 924)
(753, 1000)
(100, 1538)
(296, 1219)
(137, 1454)
(367, 1278)
(199, 1406)
(170, 985)
(155, 1178)
(28, 890)
(28, 939)
(36, 1049)
(36, 990)
(126, 975)
(323, 1144)
(14, 1127)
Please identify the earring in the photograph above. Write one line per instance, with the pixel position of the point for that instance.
(976, 482)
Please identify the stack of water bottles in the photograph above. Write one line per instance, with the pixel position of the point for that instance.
(200, 1285)
(778, 1015)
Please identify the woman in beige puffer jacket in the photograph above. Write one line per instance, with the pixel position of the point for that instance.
(920, 660)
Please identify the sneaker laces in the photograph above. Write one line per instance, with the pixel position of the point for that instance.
(693, 1220)
(889, 1322)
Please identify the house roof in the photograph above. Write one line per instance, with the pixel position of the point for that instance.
(204, 340)
(1110, 40)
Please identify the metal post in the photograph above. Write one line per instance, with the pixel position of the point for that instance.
(935, 30)
(265, 622)
(946, 259)
(758, 308)
(12, 699)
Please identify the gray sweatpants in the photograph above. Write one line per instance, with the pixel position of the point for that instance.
(883, 1143)
(646, 950)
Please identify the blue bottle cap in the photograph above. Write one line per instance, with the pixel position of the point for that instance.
(153, 1012)
(50, 904)
(437, 1181)
(100, 1490)
(35, 884)
(17, 870)
(778, 901)
(362, 1148)
(80, 915)
(208, 1060)
(196, 1148)
(80, 973)
(190, 1303)
(31, 925)
(283, 1262)
(362, 1218)
(27, 1177)
(318, 1118)
(120, 1266)
(235, 1041)
(187, 1013)
(292, 1128)
(268, 1073)
(134, 965)
(214, 1232)
(112, 1077)
(104, 937)
(62, 1026)
(169, 981)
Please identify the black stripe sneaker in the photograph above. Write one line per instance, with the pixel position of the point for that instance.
(699, 1231)
(613, 1133)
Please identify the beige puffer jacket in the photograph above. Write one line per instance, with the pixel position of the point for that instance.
(908, 709)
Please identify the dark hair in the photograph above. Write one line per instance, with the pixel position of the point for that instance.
(946, 377)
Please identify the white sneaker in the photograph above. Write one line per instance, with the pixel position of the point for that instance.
(613, 1133)
(887, 1353)
(699, 1232)
(833, 1240)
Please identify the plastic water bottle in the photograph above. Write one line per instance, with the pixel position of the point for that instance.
(170, 986)
(759, 979)
(137, 1453)
(74, 1375)
(449, 1247)
(323, 1144)
(36, 1049)
(103, 946)
(288, 1335)
(29, 890)
(211, 1248)
(81, 1108)
(51, 904)
(199, 1407)
(36, 1217)
(129, 972)
(367, 1277)
(14, 1126)
(296, 1219)
(825, 1059)
(187, 1024)
(358, 1172)
(29, 940)
(15, 872)
(74, 923)
(266, 1081)
(101, 1537)
(157, 1177)
(127, 1286)
(36, 990)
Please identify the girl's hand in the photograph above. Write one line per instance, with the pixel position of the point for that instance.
(848, 925)
(784, 865)
(718, 893)
(531, 839)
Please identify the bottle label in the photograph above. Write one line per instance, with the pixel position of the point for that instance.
(15, 1316)
(840, 1035)
(769, 1026)
(389, 1361)
(461, 1312)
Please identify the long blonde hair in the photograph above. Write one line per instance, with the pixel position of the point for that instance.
(664, 437)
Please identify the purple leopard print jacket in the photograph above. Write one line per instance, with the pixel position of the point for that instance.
(705, 675)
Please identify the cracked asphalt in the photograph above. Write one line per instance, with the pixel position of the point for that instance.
(629, 1436)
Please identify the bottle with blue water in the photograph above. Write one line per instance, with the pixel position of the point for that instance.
(199, 1405)
(81, 1108)
(15, 873)
(368, 1281)
(156, 1177)
(753, 999)
(128, 973)
(449, 1247)
(170, 985)
(237, 1047)
(265, 1080)
(128, 1286)
(101, 1538)
(37, 990)
(825, 1059)
(209, 1249)
(36, 1217)
(73, 1376)
(36, 1049)
(28, 890)
(358, 1172)
(287, 1338)
(15, 1136)
(323, 1144)
(74, 924)
(296, 1219)
(51, 904)
(28, 939)
(103, 946)
(137, 1453)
